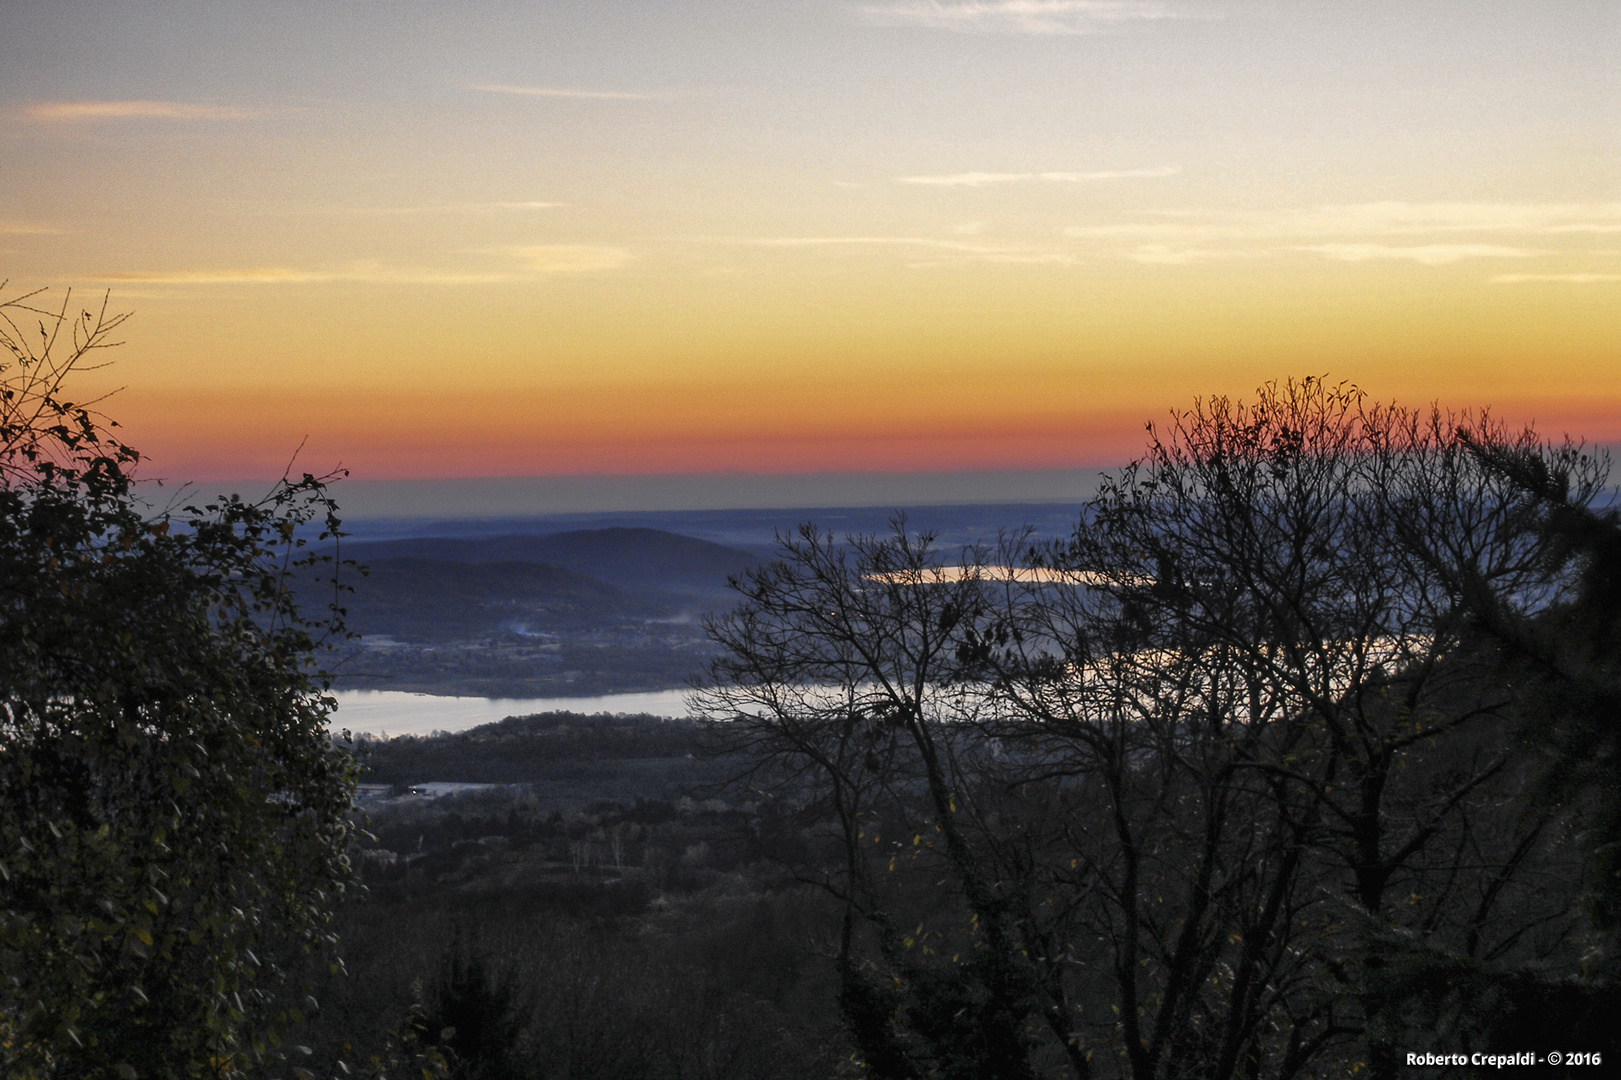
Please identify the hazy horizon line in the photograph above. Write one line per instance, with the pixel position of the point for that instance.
(537, 496)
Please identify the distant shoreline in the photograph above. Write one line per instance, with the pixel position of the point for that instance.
(387, 713)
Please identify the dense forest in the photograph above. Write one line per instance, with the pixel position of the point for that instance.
(606, 908)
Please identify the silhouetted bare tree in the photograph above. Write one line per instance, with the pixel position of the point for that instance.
(1174, 787)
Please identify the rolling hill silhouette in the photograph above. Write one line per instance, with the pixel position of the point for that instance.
(420, 599)
(586, 611)
(637, 558)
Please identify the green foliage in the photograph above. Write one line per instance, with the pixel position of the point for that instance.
(173, 814)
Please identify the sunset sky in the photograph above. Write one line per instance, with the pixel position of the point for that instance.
(566, 239)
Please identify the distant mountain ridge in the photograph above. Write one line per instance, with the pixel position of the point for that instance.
(640, 558)
(581, 612)
(529, 608)
(419, 598)
(753, 531)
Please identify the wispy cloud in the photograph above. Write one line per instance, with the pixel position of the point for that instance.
(26, 228)
(1039, 17)
(255, 275)
(526, 263)
(87, 111)
(569, 258)
(1109, 174)
(1006, 257)
(1366, 220)
(1398, 218)
(958, 250)
(1432, 234)
(1573, 279)
(1155, 230)
(967, 179)
(567, 92)
(436, 208)
(1168, 255)
(845, 241)
(982, 179)
(1428, 254)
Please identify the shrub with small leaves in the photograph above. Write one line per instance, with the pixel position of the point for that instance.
(173, 813)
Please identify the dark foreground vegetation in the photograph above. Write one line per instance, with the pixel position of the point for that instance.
(560, 925)
(175, 821)
(1298, 757)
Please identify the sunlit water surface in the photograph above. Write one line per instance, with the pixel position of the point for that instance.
(393, 712)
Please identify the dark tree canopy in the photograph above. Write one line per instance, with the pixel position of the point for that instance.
(174, 818)
(1257, 774)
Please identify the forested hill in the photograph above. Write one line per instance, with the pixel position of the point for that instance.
(625, 557)
(577, 613)
(520, 748)
(418, 599)
(573, 758)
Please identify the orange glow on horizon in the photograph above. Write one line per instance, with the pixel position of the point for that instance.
(405, 438)
(558, 240)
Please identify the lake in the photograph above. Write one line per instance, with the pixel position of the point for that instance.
(394, 712)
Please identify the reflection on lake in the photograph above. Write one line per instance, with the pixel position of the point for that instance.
(395, 712)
